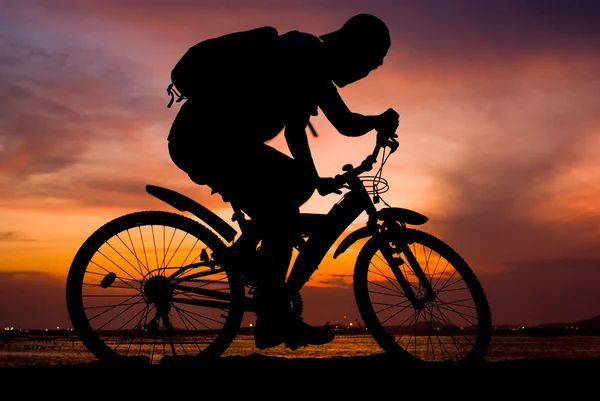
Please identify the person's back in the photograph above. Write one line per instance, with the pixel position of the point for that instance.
(220, 140)
(287, 78)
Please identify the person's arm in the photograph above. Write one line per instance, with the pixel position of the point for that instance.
(297, 141)
(349, 123)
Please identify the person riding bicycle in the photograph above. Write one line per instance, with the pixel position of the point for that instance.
(220, 141)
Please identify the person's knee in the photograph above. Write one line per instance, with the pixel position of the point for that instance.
(304, 194)
(303, 190)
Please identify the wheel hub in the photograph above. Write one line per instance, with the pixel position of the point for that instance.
(158, 290)
(423, 301)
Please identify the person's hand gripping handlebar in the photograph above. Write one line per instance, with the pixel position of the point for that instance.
(386, 129)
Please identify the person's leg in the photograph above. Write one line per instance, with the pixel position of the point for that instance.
(265, 183)
(271, 190)
(269, 186)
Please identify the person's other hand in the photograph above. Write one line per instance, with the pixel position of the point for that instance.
(327, 185)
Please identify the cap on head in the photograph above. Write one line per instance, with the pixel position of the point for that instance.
(357, 48)
(363, 31)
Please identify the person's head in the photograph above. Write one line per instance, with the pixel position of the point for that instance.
(357, 48)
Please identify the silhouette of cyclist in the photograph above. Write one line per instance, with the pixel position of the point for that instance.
(219, 141)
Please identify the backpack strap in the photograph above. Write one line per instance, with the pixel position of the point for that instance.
(173, 92)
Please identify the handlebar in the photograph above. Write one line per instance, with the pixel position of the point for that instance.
(383, 141)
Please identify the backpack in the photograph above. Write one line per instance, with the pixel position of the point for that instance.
(220, 63)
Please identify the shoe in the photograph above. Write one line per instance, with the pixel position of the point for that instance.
(274, 318)
(269, 332)
(304, 334)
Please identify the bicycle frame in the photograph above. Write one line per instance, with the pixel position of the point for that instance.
(339, 218)
(318, 232)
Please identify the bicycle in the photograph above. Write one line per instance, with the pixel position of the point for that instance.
(150, 283)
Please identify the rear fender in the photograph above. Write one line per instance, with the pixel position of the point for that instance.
(185, 204)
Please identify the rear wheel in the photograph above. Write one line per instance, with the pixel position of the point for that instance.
(452, 326)
(145, 285)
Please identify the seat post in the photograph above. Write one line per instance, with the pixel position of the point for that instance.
(249, 235)
(238, 215)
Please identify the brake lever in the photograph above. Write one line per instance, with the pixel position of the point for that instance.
(393, 145)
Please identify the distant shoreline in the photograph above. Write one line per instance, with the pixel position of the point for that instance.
(531, 332)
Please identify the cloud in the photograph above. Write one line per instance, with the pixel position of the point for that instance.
(36, 300)
(529, 293)
(498, 102)
(544, 291)
(13, 236)
(32, 300)
(333, 305)
(69, 108)
(434, 28)
(31, 120)
(508, 186)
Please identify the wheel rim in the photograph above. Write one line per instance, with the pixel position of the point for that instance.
(454, 326)
(132, 298)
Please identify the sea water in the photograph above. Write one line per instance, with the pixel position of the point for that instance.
(68, 350)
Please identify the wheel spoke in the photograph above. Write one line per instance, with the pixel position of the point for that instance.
(452, 324)
(121, 304)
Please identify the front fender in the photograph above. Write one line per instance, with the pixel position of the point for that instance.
(394, 213)
(354, 236)
(403, 216)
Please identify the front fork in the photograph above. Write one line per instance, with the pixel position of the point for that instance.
(397, 243)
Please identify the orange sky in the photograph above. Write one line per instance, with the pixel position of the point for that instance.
(498, 137)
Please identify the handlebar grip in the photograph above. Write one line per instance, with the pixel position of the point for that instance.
(386, 135)
(332, 185)
(339, 180)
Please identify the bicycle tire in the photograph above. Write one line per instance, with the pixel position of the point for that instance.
(118, 280)
(428, 336)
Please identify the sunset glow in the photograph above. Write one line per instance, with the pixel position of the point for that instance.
(499, 146)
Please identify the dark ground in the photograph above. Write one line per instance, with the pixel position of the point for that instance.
(377, 376)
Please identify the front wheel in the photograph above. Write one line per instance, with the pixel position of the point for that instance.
(145, 285)
(450, 324)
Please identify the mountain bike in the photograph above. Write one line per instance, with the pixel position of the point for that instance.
(152, 284)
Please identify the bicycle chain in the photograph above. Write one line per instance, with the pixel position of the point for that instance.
(204, 281)
(297, 302)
